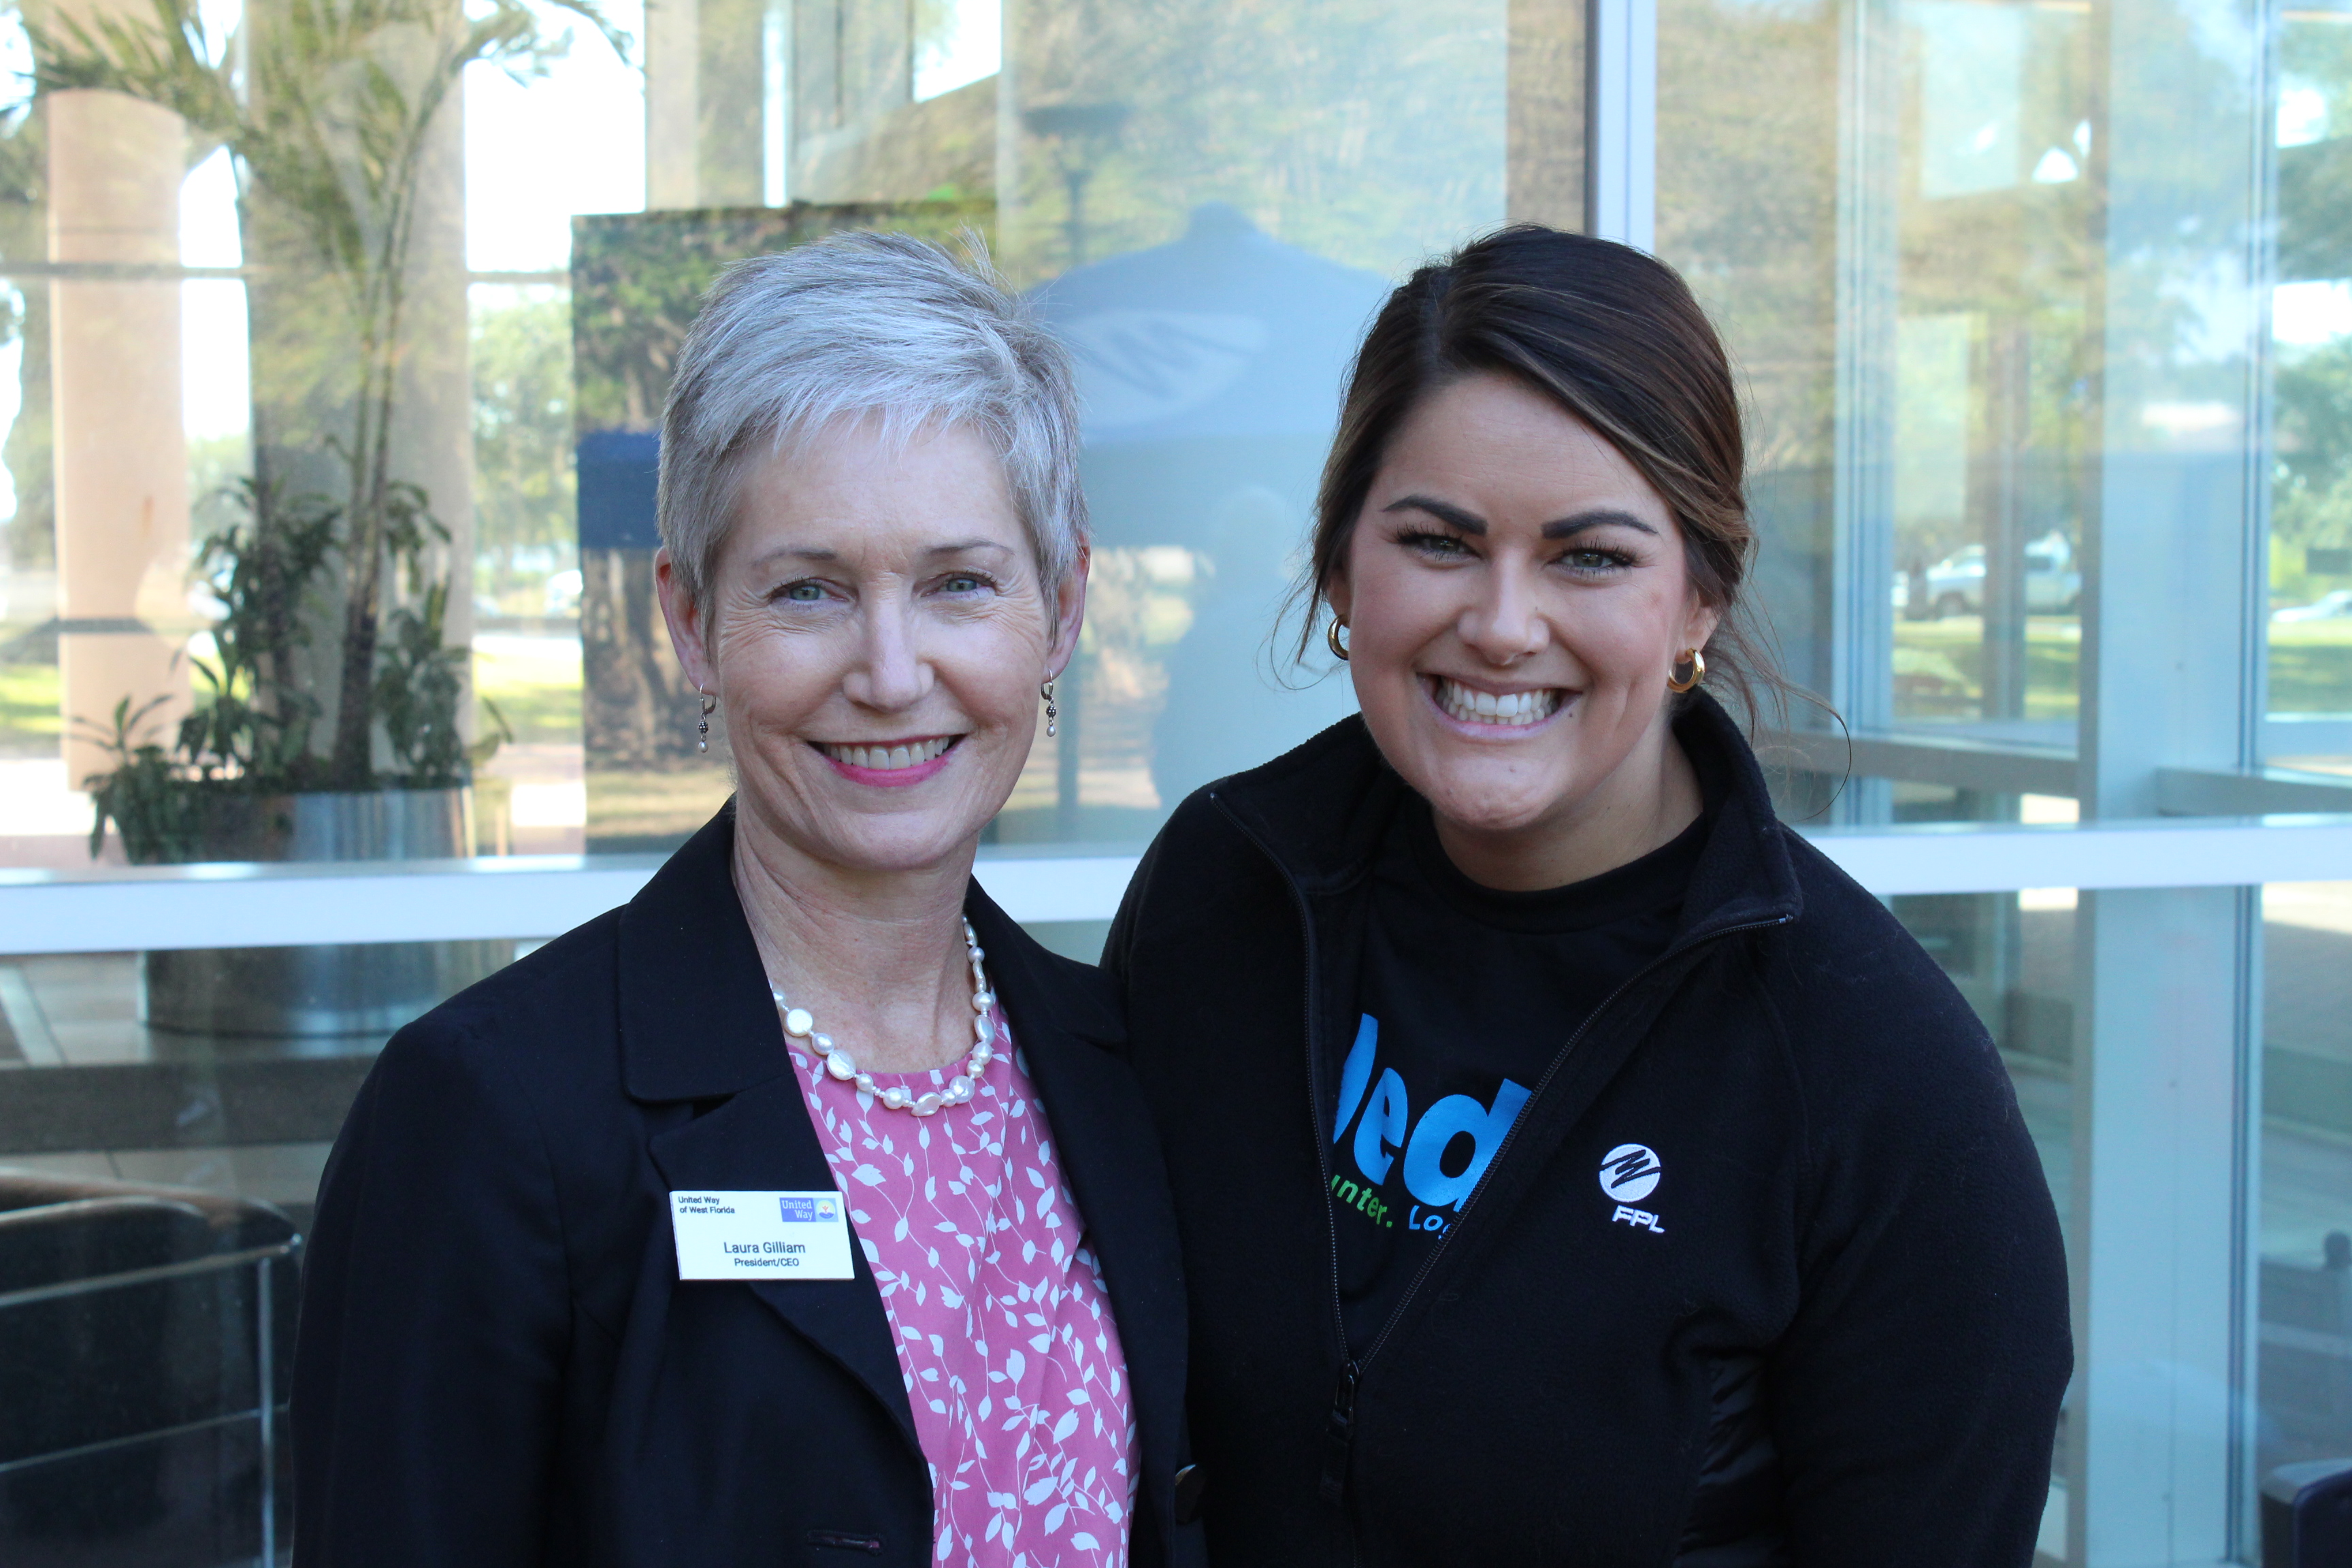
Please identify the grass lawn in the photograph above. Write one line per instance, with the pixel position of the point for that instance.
(2311, 666)
(1939, 667)
(535, 681)
(648, 808)
(29, 694)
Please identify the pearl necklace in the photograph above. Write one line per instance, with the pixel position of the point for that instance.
(802, 1026)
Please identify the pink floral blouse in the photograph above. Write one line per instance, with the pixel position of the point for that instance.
(1006, 1342)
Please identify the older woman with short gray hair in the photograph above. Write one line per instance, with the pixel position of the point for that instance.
(800, 1209)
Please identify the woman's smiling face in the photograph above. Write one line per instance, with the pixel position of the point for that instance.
(1517, 595)
(876, 631)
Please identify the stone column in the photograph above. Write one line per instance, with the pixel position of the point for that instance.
(121, 454)
(673, 105)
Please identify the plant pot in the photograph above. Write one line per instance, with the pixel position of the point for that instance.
(307, 992)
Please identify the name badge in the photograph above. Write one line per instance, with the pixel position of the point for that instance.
(760, 1236)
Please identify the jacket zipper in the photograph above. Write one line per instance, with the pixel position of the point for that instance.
(1340, 1429)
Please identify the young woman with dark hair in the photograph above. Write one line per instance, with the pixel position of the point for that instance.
(1572, 1164)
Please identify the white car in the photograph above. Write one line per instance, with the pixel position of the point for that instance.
(2334, 607)
(561, 595)
(1955, 584)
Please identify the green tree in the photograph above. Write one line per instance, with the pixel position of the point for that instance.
(2311, 499)
(523, 480)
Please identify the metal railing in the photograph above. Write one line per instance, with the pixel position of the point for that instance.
(264, 1412)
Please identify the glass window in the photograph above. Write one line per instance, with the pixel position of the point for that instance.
(327, 515)
(2311, 324)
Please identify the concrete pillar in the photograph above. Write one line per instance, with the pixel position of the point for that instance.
(1544, 181)
(121, 454)
(706, 102)
(673, 104)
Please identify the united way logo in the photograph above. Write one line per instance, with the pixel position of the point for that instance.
(1630, 1173)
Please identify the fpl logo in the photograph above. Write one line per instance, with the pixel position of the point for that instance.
(1630, 1173)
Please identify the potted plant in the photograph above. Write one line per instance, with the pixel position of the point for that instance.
(329, 725)
(242, 779)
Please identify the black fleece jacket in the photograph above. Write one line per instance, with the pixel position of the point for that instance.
(1832, 1332)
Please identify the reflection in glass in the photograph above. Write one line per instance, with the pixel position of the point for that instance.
(2304, 1351)
(1208, 200)
(1205, 366)
(1994, 219)
(145, 1341)
(2310, 640)
(1918, 336)
(1214, 201)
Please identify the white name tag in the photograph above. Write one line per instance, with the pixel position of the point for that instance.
(760, 1236)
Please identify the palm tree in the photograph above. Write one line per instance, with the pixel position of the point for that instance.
(328, 107)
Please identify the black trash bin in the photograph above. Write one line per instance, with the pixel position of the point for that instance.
(145, 1343)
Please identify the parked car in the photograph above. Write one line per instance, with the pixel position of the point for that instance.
(561, 595)
(2053, 585)
(2331, 606)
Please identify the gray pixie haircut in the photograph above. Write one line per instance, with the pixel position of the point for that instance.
(858, 324)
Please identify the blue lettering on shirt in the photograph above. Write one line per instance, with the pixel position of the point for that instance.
(1388, 1127)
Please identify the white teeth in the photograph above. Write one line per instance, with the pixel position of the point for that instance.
(890, 759)
(1510, 709)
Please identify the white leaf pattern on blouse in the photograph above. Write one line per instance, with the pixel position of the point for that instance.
(984, 1176)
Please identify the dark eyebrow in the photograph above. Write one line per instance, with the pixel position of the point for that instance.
(1470, 523)
(1607, 517)
(1443, 511)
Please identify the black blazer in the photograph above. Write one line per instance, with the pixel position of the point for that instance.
(498, 1365)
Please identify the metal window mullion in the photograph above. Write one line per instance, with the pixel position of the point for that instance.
(1622, 116)
(1862, 507)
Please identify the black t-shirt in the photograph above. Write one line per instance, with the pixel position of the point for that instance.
(1466, 995)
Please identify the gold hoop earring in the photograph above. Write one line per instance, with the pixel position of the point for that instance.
(702, 731)
(1698, 662)
(1331, 637)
